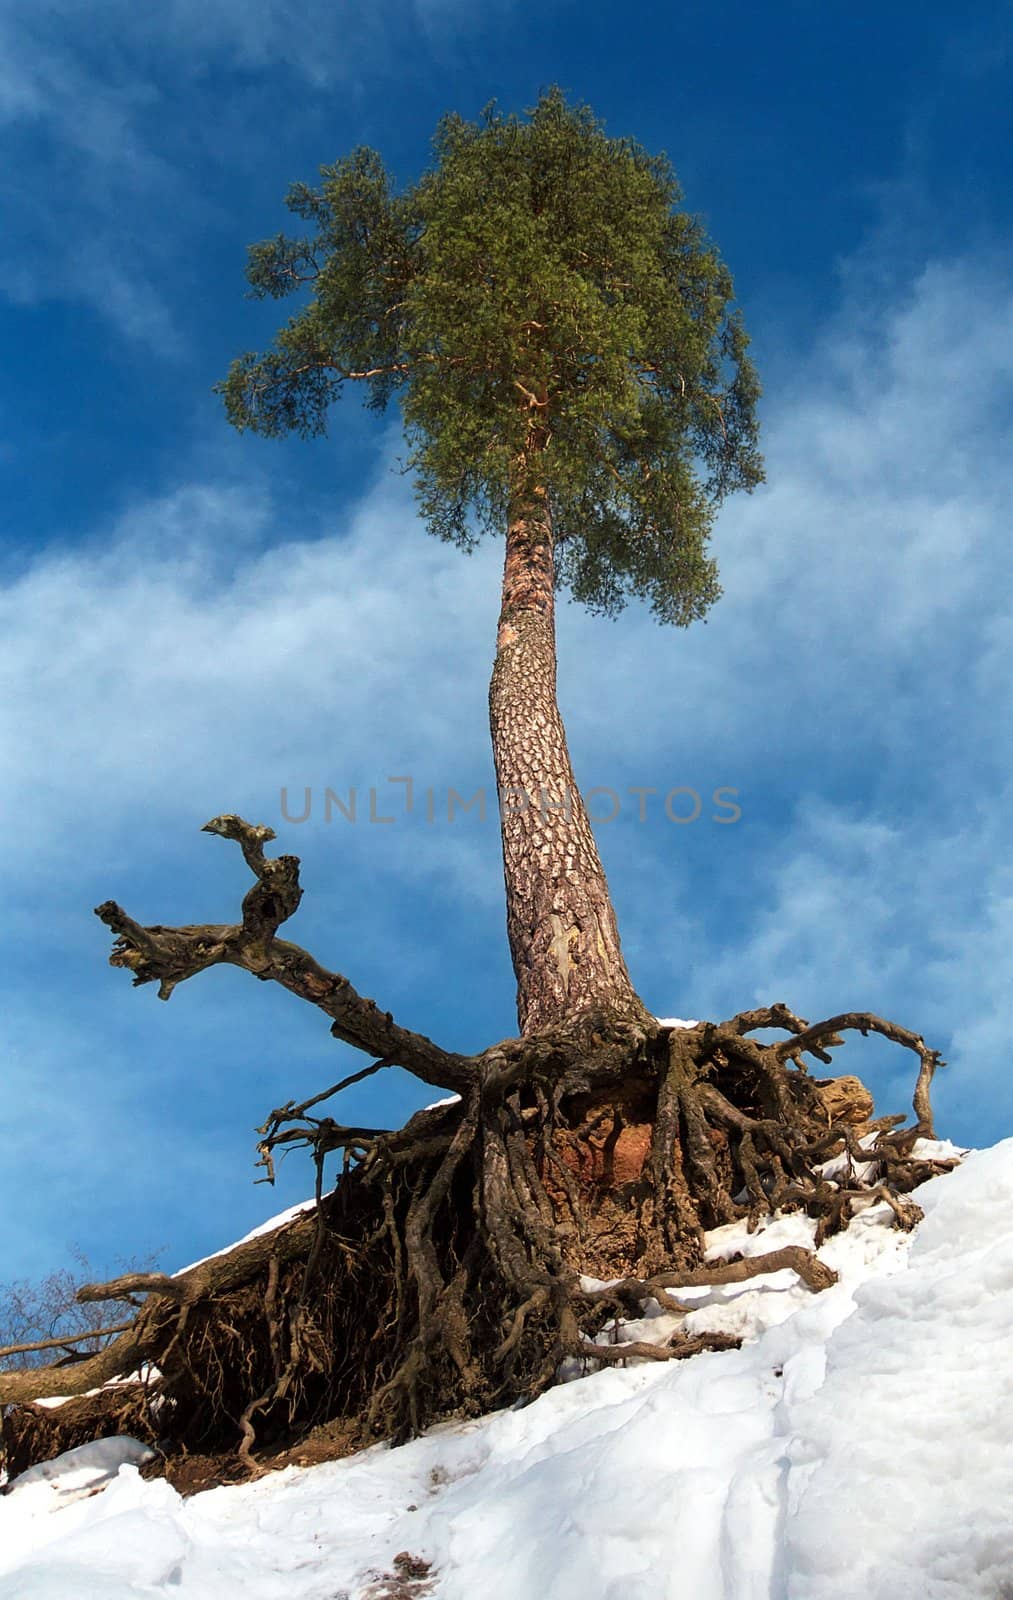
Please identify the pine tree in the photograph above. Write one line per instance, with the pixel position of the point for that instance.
(561, 340)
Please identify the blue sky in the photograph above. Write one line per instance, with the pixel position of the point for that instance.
(190, 620)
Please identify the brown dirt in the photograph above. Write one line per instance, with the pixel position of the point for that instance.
(192, 1474)
(33, 1433)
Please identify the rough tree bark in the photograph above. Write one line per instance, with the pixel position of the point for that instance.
(562, 929)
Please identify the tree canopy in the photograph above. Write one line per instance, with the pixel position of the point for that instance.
(537, 288)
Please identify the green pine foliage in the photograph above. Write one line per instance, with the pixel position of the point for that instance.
(537, 297)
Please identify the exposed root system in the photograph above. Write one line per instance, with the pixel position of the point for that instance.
(444, 1273)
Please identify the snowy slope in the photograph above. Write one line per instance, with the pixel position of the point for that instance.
(858, 1445)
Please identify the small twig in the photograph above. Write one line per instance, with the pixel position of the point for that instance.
(533, 401)
(289, 1111)
(65, 1341)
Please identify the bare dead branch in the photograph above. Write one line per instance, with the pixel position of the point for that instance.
(169, 956)
(131, 1283)
(65, 1341)
(864, 1022)
(776, 1016)
(320, 1135)
(678, 1348)
(290, 1111)
(23, 1385)
(814, 1273)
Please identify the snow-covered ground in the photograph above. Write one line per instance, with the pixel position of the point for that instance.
(859, 1444)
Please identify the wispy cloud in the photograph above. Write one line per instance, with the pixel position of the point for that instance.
(83, 184)
(861, 583)
(168, 656)
(107, 108)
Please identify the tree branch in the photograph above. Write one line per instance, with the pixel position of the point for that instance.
(864, 1022)
(169, 956)
(779, 1016)
(815, 1274)
(133, 1283)
(64, 1341)
(24, 1385)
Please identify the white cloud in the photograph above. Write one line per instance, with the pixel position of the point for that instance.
(107, 107)
(168, 653)
(865, 574)
(59, 60)
(910, 920)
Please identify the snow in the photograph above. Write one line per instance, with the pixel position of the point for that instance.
(143, 1374)
(78, 1472)
(288, 1215)
(858, 1444)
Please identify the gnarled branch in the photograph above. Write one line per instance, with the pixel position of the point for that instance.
(864, 1022)
(169, 956)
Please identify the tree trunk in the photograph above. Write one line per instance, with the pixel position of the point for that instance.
(560, 922)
